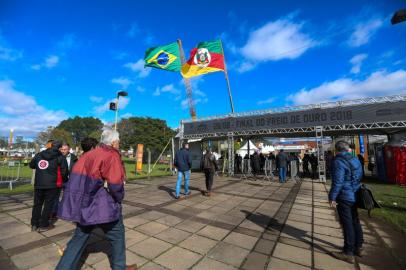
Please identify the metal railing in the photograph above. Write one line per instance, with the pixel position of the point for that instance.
(10, 172)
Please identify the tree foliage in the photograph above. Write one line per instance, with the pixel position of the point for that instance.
(81, 127)
(62, 136)
(153, 133)
(44, 136)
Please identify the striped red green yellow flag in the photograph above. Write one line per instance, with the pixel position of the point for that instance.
(164, 57)
(205, 58)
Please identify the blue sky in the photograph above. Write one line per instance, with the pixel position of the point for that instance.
(60, 59)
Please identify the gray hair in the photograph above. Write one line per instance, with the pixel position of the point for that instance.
(342, 146)
(108, 136)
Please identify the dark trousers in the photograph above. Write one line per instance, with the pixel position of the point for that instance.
(209, 179)
(115, 234)
(43, 203)
(56, 202)
(353, 236)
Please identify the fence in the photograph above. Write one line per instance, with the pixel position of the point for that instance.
(9, 172)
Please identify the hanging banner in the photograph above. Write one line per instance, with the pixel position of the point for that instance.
(139, 155)
(357, 114)
(361, 145)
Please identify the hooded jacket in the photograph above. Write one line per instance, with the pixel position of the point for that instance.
(95, 189)
(46, 165)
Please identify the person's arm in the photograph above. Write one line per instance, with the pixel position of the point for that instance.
(64, 168)
(112, 172)
(338, 179)
(33, 162)
(175, 161)
(189, 160)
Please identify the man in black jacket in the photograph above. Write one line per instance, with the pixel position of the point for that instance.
(51, 169)
(209, 166)
(183, 163)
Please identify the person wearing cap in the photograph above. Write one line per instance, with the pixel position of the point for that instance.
(51, 170)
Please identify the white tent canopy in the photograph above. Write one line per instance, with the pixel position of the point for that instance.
(244, 149)
(266, 149)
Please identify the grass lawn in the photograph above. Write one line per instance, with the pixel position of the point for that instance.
(26, 172)
(392, 198)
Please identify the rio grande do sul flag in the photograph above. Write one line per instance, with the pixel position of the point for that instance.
(164, 57)
(206, 57)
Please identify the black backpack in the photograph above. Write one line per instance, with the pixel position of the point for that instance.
(365, 199)
(363, 196)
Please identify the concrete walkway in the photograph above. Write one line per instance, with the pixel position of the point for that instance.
(244, 225)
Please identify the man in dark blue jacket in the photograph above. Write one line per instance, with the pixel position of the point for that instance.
(346, 180)
(183, 163)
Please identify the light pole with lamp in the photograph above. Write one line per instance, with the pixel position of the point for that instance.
(114, 106)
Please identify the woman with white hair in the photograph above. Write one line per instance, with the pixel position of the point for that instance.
(92, 198)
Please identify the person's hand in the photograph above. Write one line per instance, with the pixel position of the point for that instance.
(333, 204)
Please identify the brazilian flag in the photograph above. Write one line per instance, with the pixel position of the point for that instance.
(164, 57)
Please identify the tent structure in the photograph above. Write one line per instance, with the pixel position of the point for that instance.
(244, 149)
(266, 149)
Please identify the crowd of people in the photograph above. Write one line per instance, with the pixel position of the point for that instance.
(93, 190)
(282, 164)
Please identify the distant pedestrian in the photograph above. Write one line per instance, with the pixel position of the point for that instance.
(314, 162)
(256, 163)
(92, 198)
(183, 163)
(282, 161)
(51, 171)
(306, 161)
(209, 166)
(346, 180)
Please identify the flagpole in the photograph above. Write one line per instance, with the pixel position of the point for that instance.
(227, 80)
(187, 83)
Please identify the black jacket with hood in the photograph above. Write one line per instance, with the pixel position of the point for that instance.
(46, 165)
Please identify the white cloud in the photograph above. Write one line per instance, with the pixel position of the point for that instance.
(68, 42)
(127, 115)
(169, 88)
(22, 113)
(7, 53)
(356, 62)
(364, 31)
(140, 89)
(280, 39)
(139, 68)
(134, 30)
(122, 81)
(101, 109)
(266, 101)
(51, 61)
(96, 99)
(185, 102)
(380, 83)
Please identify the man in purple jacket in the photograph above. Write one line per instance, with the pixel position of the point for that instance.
(92, 198)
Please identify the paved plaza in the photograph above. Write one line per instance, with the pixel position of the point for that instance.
(243, 225)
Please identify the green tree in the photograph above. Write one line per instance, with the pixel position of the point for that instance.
(44, 136)
(81, 127)
(153, 133)
(62, 136)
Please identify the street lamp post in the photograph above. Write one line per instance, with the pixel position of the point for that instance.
(119, 94)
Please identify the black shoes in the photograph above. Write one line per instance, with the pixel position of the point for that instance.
(34, 228)
(45, 229)
(344, 257)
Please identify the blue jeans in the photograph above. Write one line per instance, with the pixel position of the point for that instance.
(353, 236)
(114, 232)
(185, 174)
(282, 174)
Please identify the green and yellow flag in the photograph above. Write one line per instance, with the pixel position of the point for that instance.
(164, 57)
